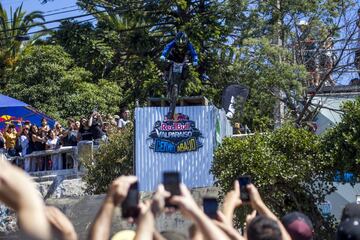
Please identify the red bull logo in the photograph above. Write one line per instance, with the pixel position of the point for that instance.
(176, 136)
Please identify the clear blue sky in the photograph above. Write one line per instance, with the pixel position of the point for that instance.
(52, 7)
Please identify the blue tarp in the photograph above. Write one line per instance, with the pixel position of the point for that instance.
(12, 110)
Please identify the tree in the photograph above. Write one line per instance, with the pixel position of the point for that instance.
(112, 160)
(289, 168)
(277, 22)
(342, 141)
(13, 27)
(139, 31)
(257, 43)
(86, 46)
(46, 78)
(256, 64)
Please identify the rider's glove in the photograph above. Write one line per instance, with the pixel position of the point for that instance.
(195, 63)
(162, 58)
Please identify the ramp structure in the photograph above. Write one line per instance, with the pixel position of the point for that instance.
(185, 144)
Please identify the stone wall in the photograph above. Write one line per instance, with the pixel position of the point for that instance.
(50, 187)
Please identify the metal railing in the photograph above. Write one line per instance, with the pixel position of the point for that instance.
(70, 157)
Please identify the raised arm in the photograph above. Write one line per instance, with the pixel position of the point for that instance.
(145, 223)
(19, 193)
(258, 205)
(231, 202)
(117, 192)
(60, 224)
(190, 209)
(91, 119)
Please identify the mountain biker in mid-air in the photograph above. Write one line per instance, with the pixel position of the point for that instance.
(179, 50)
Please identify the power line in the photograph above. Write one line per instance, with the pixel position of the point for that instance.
(71, 18)
(57, 13)
(92, 19)
(52, 14)
(63, 8)
(48, 29)
(51, 21)
(68, 18)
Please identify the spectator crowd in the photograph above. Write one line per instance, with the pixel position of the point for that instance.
(38, 221)
(21, 139)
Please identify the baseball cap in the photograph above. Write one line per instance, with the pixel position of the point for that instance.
(349, 229)
(124, 235)
(298, 225)
(351, 210)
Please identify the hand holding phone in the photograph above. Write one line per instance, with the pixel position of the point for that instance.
(210, 206)
(171, 181)
(244, 181)
(129, 206)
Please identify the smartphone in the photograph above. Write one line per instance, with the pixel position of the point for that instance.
(210, 207)
(358, 199)
(171, 181)
(244, 181)
(129, 206)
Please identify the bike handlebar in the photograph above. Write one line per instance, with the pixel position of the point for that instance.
(187, 62)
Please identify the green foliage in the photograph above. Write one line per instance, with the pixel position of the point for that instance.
(86, 47)
(237, 42)
(47, 79)
(343, 140)
(287, 166)
(111, 161)
(139, 79)
(256, 64)
(12, 26)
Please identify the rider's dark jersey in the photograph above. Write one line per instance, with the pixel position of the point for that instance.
(174, 53)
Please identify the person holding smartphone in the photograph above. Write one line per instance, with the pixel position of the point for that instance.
(116, 195)
(233, 200)
(191, 210)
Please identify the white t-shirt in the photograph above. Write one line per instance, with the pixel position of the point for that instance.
(52, 143)
(122, 123)
(24, 144)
